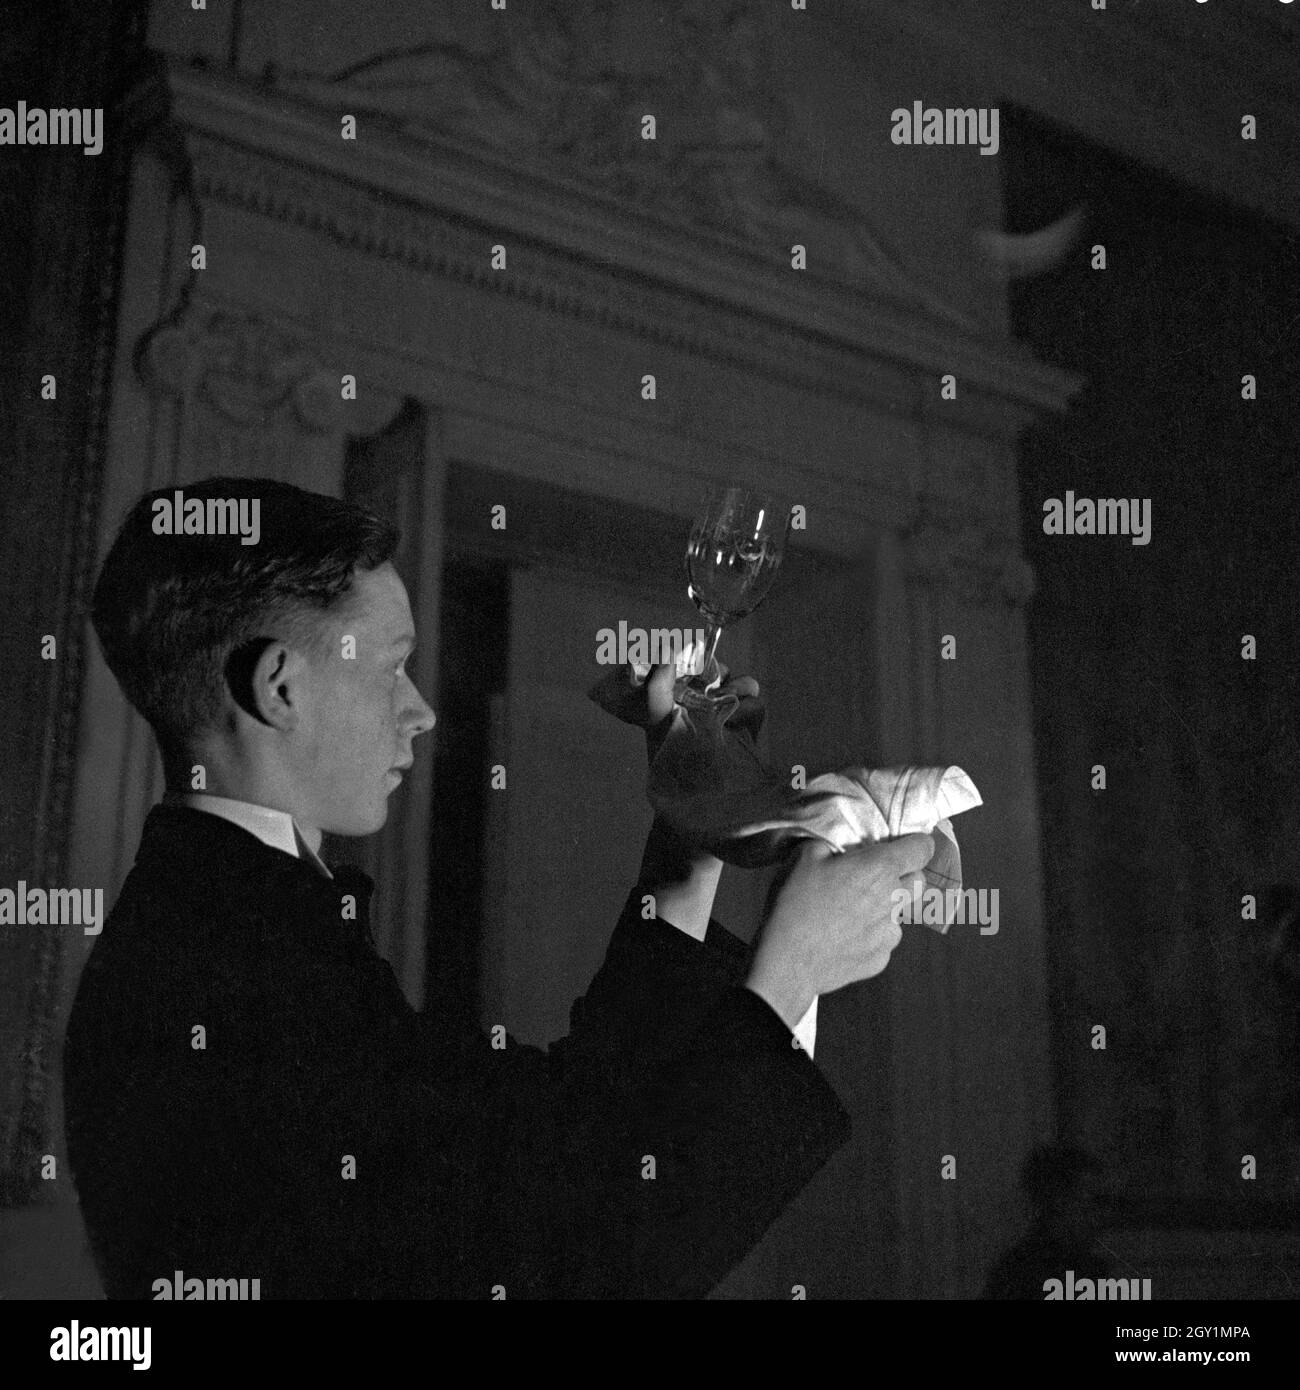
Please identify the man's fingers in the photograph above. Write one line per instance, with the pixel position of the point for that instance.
(659, 692)
(815, 848)
(912, 853)
(908, 854)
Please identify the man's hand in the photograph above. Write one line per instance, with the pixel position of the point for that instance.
(833, 921)
(747, 717)
(683, 877)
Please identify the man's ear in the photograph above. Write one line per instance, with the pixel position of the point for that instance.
(265, 680)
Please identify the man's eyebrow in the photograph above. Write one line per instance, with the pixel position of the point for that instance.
(406, 639)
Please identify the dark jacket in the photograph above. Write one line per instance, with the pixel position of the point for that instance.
(331, 1142)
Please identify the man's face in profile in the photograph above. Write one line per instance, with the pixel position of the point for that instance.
(360, 712)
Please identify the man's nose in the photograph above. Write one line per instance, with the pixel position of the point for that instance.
(422, 717)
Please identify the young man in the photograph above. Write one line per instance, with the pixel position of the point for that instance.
(248, 1093)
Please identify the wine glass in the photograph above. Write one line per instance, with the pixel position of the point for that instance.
(732, 556)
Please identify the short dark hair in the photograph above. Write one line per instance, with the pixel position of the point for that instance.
(171, 611)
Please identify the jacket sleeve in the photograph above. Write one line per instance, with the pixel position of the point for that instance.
(654, 989)
(641, 1156)
(688, 1176)
(683, 1119)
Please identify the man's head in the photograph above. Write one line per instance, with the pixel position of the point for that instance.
(277, 666)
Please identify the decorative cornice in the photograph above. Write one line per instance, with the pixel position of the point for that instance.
(561, 92)
(438, 206)
(432, 243)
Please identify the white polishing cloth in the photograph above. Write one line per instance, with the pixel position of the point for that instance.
(712, 788)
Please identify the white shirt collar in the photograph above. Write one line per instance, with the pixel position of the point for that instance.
(274, 828)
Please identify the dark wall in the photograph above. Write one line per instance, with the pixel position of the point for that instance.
(1137, 665)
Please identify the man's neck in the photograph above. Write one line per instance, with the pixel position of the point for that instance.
(253, 791)
(278, 828)
(311, 835)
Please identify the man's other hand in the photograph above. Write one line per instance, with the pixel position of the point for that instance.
(747, 717)
(833, 921)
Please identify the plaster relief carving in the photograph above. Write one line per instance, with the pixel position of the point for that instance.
(571, 91)
(251, 372)
(432, 243)
(237, 144)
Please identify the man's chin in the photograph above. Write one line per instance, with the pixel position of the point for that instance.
(356, 826)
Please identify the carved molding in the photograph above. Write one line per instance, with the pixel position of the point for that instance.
(438, 245)
(439, 206)
(252, 373)
(564, 91)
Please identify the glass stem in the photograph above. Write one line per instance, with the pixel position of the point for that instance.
(711, 634)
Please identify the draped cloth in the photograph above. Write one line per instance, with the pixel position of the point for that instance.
(709, 784)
